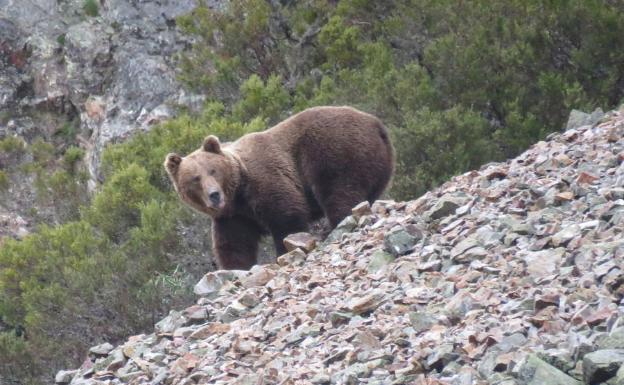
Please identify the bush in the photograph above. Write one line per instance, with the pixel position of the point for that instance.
(4, 180)
(72, 156)
(90, 8)
(12, 145)
(448, 142)
(42, 152)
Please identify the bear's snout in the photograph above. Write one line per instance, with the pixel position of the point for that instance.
(215, 198)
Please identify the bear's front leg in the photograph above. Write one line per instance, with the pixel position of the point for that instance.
(281, 229)
(235, 242)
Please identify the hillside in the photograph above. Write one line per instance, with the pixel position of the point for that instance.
(512, 274)
(95, 246)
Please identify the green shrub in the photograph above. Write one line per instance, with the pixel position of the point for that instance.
(42, 152)
(60, 39)
(116, 208)
(448, 142)
(262, 100)
(4, 180)
(15, 360)
(12, 145)
(90, 8)
(69, 129)
(72, 156)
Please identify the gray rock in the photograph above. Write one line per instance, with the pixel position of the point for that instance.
(565, 235)
(232, 312)
(579, 118)
(488, 237)
(399, 242)
(601, 365)
(102, 349)
(537, 372)
(444, 206)
(295, 257)
(441, 356)
(544, 262)
(421, 321)
(366, 303)
(65, 376)
(379, 259)
(613, 340)
(511, 342)
(618, 379)
(346, 226)
(170, 323)
(559, 358)
(463, 246)
(320, 379)
(212, 282)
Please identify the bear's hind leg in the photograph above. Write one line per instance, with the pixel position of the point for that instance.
(337, 203)
(235, 243)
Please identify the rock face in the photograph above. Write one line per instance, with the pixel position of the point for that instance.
(513, 274)
(114, 71)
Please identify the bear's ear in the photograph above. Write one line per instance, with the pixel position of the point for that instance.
(172, 162)
(212, 144)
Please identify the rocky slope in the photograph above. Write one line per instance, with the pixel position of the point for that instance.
(513, 274)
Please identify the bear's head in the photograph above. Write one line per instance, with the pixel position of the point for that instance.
(206, 179)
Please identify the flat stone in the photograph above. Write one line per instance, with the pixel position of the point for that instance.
(378, 260)
(212, 328)
(601, 365)
(586, 178)
(565, 235)
(118, 361)
(367, 303)
(534, 371)
(65, 376)
(101, 350)
(565, 196)
(259, 275)
(463, 246)
(441, 356)
(399, 242)
(362, 209)
(170, 323)
(295, 257)
(421, 321)
(210, 284)
(544, 262)
(303, 241)
(612, 340)
(511, 342)
(346, 226)
(442, 208)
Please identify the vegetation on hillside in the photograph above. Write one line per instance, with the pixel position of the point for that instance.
(457, 83)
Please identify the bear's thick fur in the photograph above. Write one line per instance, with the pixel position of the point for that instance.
(320, 162)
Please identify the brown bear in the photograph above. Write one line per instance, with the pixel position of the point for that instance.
(319, 162)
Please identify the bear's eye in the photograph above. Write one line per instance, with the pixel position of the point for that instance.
(195, 178)
(212, 172)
